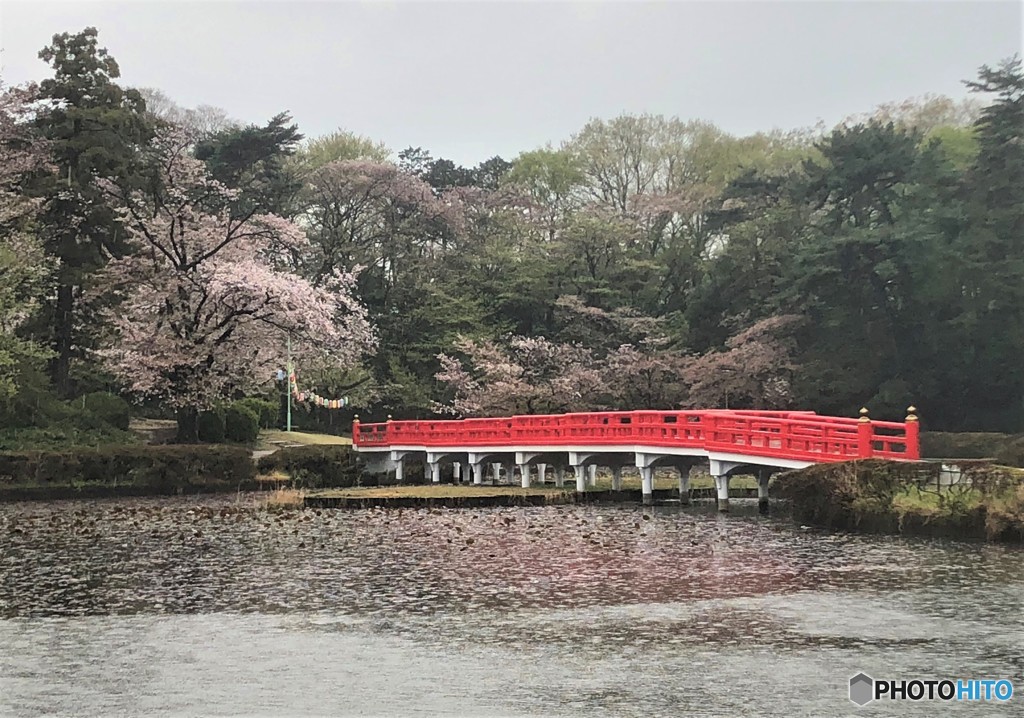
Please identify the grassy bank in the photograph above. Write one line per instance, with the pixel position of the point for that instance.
(987, 500)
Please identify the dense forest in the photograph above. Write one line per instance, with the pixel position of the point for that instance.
(174, 256)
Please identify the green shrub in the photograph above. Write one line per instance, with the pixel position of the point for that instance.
(108, 408)
(962, 445)
(241, 424)
(1011, 453)
(315, 466)
(62, 437)
(267, 411)
(162, 468)
(212, 426)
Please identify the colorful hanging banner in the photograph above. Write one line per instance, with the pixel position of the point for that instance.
(312, 397)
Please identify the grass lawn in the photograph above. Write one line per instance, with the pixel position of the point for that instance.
(273, 438)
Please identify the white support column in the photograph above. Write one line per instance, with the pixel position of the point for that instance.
(524, 474)
(581, 477)
(456, 472)
(722, 489)
(495, 473)
(560, 476)
(435, 472)
(647, 484)
(399, 470)
(616, 478)
(510, 474)
(592, 475)
(478, 473)
(542, 470)
(684, 486)
(763, 476)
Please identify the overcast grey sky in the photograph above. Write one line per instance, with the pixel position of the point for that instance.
(470, 80)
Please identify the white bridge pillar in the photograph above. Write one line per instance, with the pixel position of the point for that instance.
(435, 472)
(722, 491)
(720, 471)
(616, 478)
(592, 476)
(478, 473)
(581, 478)
(542, 470)
(763, 476)
(684, 485)
(456, 472)
(559, 476)
(647, 483)
(524, 475)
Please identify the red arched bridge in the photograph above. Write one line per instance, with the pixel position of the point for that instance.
(728, 440)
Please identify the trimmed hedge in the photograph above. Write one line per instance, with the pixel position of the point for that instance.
(241, 424)
(212, 426)
(1007, 449)
(161, 468)
(267, 411)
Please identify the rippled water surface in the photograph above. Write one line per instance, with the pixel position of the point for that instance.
(213, 608)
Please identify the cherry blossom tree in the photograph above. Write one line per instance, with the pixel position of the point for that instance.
(526, 375)
(754, 371)
(22, 263)
(206, 302)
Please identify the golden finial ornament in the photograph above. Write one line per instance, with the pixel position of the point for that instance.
(864, 414)
(911, 413)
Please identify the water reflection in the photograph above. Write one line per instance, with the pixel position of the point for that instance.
(558, 610)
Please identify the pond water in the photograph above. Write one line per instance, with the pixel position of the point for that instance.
(210, 607)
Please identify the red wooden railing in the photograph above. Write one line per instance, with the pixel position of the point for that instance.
(799, 435)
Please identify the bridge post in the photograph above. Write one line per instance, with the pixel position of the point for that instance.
(647, 484)
(913, 432)
(399, 470)
(435, 472)
(864, 431)
(495, 474)
(616, 478)
(722, 492)
(559, 476)
(581, 478)
(510, 474)
(457, 472)
(763, 476)
(524, 475)
(684, 485)
(478, 473)
(542, 470)
(592, 475)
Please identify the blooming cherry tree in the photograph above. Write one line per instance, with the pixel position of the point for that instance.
(528, 375)
(206, 303)
(23, 266)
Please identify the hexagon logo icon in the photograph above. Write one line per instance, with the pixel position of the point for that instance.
(862, 689)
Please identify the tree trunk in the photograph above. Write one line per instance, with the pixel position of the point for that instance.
(63, 327)
(188, 426)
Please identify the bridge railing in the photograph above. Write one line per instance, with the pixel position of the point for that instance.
(782, 434)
